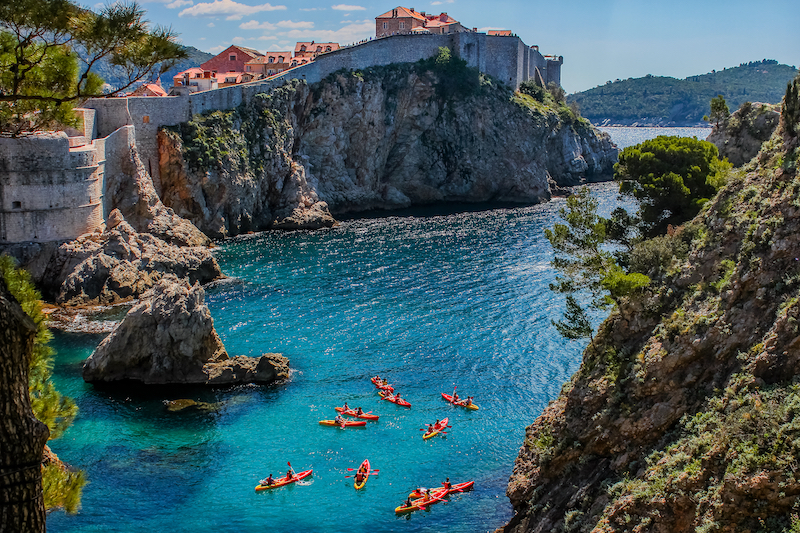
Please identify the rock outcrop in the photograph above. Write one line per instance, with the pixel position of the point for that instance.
(387, 138)
(684, 413)
(739, 138)
(169, 337)
(120, 264)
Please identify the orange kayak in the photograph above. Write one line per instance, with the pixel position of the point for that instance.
(460, 403)
(394, 399)
(352, 412)
(345, 424)
(280, 482)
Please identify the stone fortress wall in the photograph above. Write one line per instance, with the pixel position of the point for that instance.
(51, 185)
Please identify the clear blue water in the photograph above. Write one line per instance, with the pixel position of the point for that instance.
(430, 302)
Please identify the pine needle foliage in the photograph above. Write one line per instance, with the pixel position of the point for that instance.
(62, 487)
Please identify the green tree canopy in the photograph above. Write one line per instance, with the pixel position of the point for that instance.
(719, 110)
(41, 76)
(672, 177)
(62, 487)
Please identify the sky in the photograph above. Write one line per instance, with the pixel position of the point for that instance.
(600, 40)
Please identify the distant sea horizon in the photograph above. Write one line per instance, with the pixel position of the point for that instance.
(624, 136)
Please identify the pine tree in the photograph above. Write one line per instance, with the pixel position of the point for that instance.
(62, 487)
(790, 114)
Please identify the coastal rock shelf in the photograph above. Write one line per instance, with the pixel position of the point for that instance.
(169, 337)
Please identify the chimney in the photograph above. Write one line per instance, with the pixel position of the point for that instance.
(443, 17)
(412, 9)
(475, 30)
(422, 13)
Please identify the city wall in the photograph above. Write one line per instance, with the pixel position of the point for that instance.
(51, 185)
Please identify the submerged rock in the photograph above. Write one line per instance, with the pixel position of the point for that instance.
(169, 337)
(175, 406)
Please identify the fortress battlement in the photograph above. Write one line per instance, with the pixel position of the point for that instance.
(55, 190)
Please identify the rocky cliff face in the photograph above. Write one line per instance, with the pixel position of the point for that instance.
(739, 138)
(120, 264)
(386, 138)
(169, 337)
(684, 413)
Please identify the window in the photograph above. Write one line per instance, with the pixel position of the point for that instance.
(303, 48)
(16, 205)
(271, 59)
(319, 49)
(280, 59)
(232, 57)
(248, 68)
(402, 25)
(327, 48)
(385, 25)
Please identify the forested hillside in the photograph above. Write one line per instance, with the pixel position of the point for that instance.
(671, 101)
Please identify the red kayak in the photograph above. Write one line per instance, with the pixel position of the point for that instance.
(436, 496)
(382, 386)
(353, 413)
(435, 429)
(280, 482)
(365, 469)
(458, 487)
(394, 399)
(460, 403)
(345, 424)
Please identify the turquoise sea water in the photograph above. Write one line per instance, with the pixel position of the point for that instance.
(428, 300)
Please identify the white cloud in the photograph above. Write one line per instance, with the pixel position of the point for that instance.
(228, 8)
(178, 3)
(210, 24)
(255, 25)
(438, 3)
(217, 49)
(238, 39)
(346, 7)
(267, 38)
(290, 24)
(346, 34)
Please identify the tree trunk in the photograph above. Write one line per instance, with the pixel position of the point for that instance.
(22, 436)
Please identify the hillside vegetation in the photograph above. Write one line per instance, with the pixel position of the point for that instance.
(671, 101)
(684, 414)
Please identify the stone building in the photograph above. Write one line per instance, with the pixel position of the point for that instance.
(398, 20)
(270, 64)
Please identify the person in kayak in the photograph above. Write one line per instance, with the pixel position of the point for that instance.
(339, 420)
(289, 474)
(267, 482)
(346, 408)
(359, 411)
(455, 397)
(427, 496)
(407, 503)
(469, 400)
(447, 484)
(359, 476)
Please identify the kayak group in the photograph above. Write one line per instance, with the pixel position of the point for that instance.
(419, 499)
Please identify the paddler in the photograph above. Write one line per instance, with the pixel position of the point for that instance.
(267, 482)
(447, 484)
(339, 420)
(359, 476)
(469, 400)
(427, 495)
(346, 408)
(407, 503)
(289, 474)
(359, 411)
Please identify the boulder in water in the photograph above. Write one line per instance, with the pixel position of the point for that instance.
(169, 338)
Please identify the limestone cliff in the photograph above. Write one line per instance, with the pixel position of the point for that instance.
(740, 136)
(685, 412)
(119, 264)
(385, 138)
(169, 337)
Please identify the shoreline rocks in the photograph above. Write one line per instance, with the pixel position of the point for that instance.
(169, 338)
